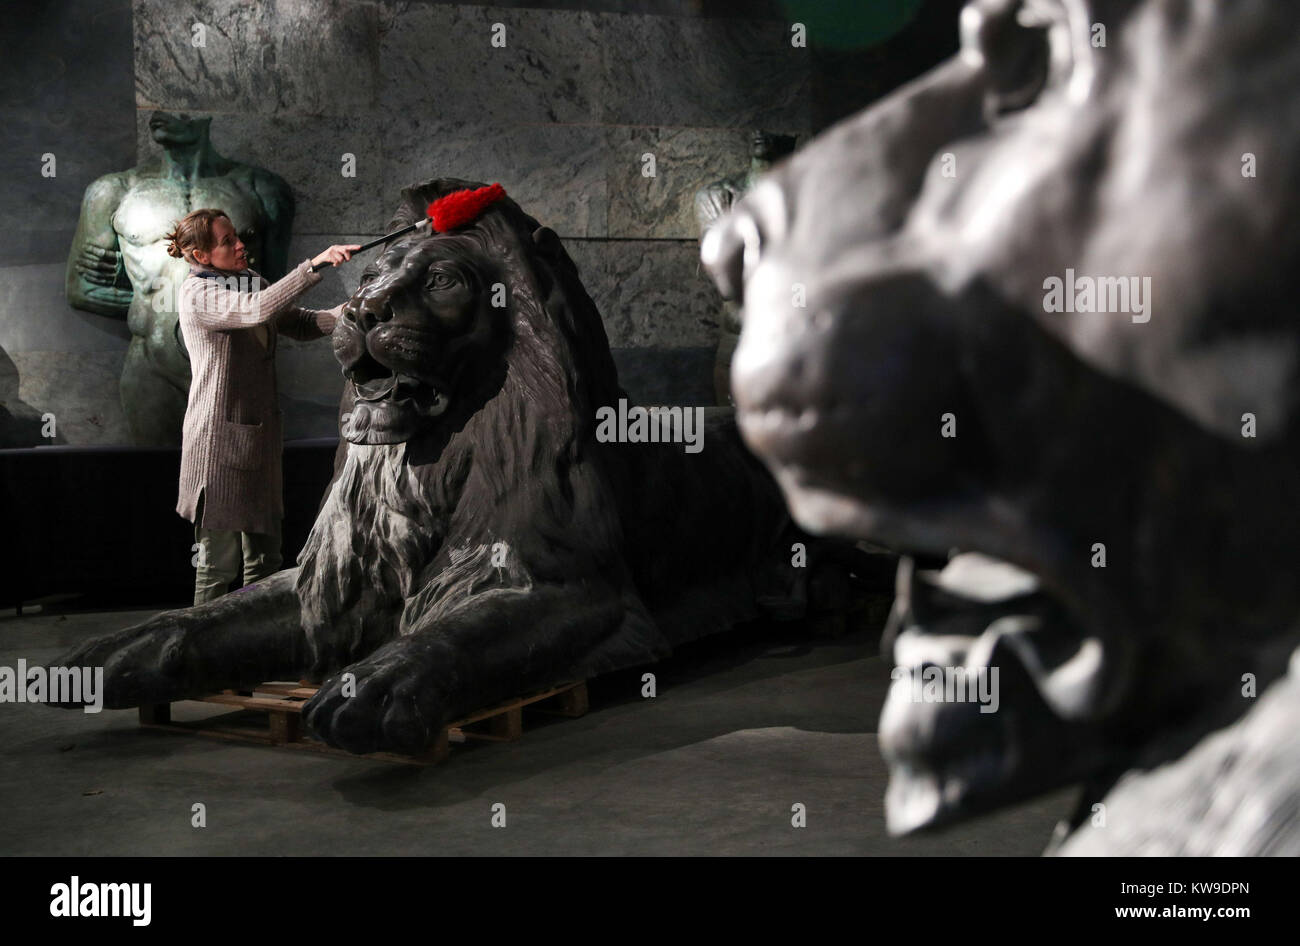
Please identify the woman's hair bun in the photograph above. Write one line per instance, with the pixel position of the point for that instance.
(193, 232)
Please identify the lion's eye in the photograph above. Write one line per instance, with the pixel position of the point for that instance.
(367, 277)
(439, 279)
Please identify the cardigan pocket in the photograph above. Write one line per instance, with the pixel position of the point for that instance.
(240, 446)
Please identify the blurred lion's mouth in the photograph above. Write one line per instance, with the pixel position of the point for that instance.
(955, 752)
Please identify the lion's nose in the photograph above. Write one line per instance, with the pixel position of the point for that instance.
(366, 312)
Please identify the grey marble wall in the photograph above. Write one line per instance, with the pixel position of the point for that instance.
(563, 116)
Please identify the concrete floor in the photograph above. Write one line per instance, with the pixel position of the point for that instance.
(743, 727)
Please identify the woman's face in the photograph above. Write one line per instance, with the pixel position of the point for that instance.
(229, 252)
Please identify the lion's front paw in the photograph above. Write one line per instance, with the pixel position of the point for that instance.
(142, 664)
(380, 704)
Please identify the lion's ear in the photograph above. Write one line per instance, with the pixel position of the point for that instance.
(547, 241)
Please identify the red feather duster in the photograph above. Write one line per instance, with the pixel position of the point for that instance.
(461, 207)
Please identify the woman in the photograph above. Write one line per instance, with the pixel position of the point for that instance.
(230, 483)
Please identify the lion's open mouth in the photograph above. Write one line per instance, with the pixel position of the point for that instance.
(990, 672)
(392, 386)
(390, 406)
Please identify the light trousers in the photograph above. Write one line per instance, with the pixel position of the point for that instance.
(221, 552)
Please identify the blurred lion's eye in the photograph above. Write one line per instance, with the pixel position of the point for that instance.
(367, 277)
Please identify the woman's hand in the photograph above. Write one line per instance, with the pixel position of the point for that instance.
(338, 253)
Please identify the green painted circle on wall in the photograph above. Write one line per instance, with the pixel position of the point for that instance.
(850, 24)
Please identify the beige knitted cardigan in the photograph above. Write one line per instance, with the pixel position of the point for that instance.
(231, 440)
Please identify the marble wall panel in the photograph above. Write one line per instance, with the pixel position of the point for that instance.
(556, 173)
(439, 62)
(685, 159)
(607, 68)
(318, 58)
(727, 73)
(650, 292)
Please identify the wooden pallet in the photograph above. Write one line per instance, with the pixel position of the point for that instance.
(271, 715)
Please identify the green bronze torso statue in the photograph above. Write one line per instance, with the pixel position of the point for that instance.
(119, 264)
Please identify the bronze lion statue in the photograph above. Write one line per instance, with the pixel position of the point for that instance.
(1050, 343)
(478, 540)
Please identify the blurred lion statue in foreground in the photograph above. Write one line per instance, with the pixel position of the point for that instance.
(1051, 339)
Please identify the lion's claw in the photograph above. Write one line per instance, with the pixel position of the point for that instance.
(142, 664)
(386, 706)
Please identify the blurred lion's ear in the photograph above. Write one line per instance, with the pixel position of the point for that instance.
(547, 241)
